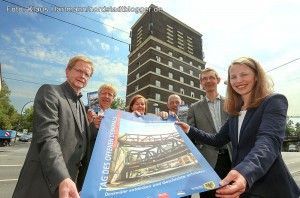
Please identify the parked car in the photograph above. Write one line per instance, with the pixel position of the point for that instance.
(25, 138)
(293, 148)
(19, 134)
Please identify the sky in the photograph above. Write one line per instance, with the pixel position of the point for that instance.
(35, 48)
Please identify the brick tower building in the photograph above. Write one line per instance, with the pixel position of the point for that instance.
(165, 57)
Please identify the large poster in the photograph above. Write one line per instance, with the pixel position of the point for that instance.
(145, 157)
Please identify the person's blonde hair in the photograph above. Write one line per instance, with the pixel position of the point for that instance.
(73, 61)
(262, 88)
(109, 87)
(133, 100)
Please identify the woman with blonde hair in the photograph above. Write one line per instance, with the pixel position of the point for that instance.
(256, 129)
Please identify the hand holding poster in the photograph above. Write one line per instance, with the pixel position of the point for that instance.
(145, 157)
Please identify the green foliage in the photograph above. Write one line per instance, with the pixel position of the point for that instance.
(8, 114)
(27, 119)
(290, 130)
(118, 103)
(297, 128)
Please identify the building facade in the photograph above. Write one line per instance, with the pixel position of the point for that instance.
(165, 58)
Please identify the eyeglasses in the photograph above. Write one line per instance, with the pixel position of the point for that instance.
(208, 78)
(85, 74)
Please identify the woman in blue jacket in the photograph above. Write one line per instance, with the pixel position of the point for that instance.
(256, 129)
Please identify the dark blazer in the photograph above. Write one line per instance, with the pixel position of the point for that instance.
(199, 116)
(59, 147)
(257, 155)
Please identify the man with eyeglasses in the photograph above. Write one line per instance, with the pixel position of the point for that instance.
(58, 157)
(106, 95)
(208, 115)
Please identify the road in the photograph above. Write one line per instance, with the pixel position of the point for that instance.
(11, 161)
(12, 158)
(292, 160)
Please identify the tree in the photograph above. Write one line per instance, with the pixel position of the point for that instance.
(8, 114)
(27, 119)
(297, 127)
(118, 103)
(290, 130)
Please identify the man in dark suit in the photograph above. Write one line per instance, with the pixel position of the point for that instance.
(208, 115)
(58, 156)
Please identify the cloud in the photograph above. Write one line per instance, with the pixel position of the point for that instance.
(105, 46)
(108, 67)
(18, 33)
(34, 37)
(116, 49)
(42, 39)
(91, 44)
(37, 45)
(95, 43)
(9, 68)
(6, 38)
(118, 24)
(230, 29)
(21, 92)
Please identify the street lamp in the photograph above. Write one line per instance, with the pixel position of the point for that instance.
(22, 111)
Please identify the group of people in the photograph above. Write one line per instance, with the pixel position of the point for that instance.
(240, 136)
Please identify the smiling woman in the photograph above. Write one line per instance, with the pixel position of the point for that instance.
(137, 103)
(255, 128)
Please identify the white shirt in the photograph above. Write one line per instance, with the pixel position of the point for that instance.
(241, 119)
(215, 111)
